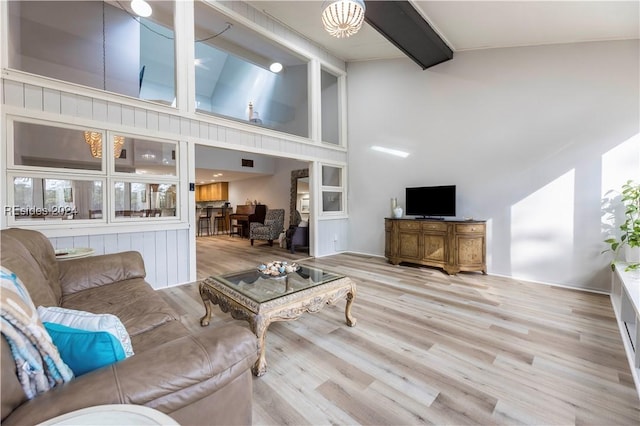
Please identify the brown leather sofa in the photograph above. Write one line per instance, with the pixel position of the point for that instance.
(199, 378)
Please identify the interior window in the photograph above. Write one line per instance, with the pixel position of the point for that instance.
(331, 176)
(330, 108)
(144, 200)
(103, 45)
(236, 75)
(146, 157)
(37, 198)
(332, 190)
(331, 201)
(47, 184)
(40, 145)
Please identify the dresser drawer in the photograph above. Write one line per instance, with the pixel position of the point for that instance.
(409, 225)
(434, 226)
(470, 228)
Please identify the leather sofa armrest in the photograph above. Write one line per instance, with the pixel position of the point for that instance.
(94, 271)
(168, 377)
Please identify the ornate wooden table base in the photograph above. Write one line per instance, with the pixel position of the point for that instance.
(287, 307)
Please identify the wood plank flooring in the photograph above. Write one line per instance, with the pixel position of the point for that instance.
(430, 349)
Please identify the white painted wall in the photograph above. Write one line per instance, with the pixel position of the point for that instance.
(532, 137)
(273, 190)
(209, 157)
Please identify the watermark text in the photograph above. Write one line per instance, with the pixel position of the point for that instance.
(39, 211)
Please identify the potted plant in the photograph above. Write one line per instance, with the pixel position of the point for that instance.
(630, 228)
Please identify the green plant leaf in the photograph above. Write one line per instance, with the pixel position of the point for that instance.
(632, 267)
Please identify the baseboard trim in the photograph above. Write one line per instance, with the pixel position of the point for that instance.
(585, 289)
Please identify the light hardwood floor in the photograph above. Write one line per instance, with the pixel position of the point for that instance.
(431, 349)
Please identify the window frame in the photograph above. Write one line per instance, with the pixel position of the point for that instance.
(342, 190)
(11, 203)
(338, 106)
(113, 18)
(107, 175)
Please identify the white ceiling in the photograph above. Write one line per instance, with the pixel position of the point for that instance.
(207, 175)
(467, 25)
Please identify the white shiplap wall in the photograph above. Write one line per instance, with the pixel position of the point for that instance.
(165, 253)
(332, 236)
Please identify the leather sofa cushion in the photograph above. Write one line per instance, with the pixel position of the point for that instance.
(95, 271)
(12, 394)
(38, 275)
(167, 332)
(134, 302)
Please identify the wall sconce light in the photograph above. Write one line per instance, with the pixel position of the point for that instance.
(94, 139)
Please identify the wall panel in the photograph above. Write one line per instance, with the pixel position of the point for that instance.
(165, 253)
(51, 101)
(332, 236)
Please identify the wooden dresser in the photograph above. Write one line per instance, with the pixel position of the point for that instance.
(448, 244)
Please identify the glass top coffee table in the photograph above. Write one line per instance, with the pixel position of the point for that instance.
(251, 296)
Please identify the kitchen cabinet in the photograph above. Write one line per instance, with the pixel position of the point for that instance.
(218, 191)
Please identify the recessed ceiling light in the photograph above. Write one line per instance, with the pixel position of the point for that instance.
(141, 8)
(395, 152)
(276, 67)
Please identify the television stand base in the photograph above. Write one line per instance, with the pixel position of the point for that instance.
(453, 245)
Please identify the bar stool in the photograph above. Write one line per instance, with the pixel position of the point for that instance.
(220, 221)
(205, 221)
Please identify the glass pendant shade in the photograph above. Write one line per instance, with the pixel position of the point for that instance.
(94, 140)
(343, 18)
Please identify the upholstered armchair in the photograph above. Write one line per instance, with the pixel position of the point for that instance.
(271, 228)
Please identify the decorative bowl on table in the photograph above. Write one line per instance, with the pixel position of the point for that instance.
(277, 269)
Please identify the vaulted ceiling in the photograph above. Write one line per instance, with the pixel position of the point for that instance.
(469, 25)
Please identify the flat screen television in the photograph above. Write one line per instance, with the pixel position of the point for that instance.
(431, 201)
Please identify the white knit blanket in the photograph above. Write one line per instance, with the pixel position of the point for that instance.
(38, 363)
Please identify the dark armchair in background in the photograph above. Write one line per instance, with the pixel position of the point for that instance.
(271, 229)
(298, 234)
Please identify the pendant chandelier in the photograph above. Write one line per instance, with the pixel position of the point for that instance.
(94, 139)
(343, 18)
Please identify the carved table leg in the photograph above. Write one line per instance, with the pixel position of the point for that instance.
(259, 326)
(205, 295)
(351, 321)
